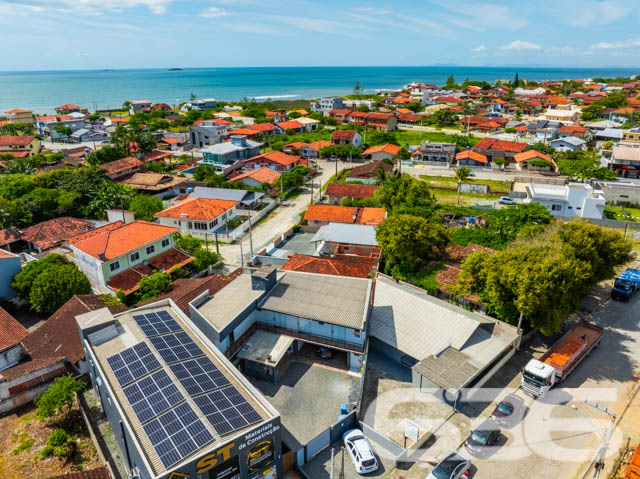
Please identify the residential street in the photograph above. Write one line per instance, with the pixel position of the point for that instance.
(281, 219)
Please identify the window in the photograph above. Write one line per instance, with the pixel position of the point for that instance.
(200, 226)
(151, 249)
(135, 257)
(165, 242)
(556, 208)
(114, 266)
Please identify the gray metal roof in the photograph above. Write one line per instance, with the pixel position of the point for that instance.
(572, 140)
(80, 132)
(450, 370)
(331, 299)
(611, 133)
(346, 233)
(242, 196)
(402, 315)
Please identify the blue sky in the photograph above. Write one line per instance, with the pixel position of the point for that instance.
(88, 34)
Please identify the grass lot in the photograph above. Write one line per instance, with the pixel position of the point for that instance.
(342, 175)
(294, 193)
(22, 438)
(446, 197)
(450, 182)
(622, 214)
(426, 278)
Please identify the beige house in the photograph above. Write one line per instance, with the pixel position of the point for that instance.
(562, 115)
(19, 115)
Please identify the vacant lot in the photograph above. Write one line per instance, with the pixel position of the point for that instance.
(496, 186)
(22, 438)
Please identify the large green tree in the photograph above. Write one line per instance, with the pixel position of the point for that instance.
(410, 242)
(406, 195)
(58, 397)
(145, 206)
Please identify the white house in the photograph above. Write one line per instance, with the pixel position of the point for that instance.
(573, 199)
(197, 216)
(569, 143)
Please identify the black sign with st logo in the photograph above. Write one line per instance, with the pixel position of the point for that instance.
(227, 470)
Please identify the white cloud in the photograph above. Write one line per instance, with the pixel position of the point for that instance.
(254, 28)
(521, 46)
(561, 50)
(620, 45)
(88, 7)
(479, 49)
(480, 17)
(214, 12)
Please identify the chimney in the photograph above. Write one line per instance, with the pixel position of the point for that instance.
(264, 278)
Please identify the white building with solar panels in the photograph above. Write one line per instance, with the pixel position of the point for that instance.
(174, 402)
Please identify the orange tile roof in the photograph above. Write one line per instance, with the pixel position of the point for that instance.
(262, 127)
(202, 209)
(17, 110)
(292, 124)
(117, 239)
(121, 165)
(404, 110)
(329, 213)
(171, 141)
(54, 118)
(371, 216)
(471, 155)
(392, 150)
(318, 145)
(343, 135)
(6, 254)
(11, 331)
(244, 131)
(261, 175)
(533, 155)
(495, 144)
(277, 157)
(68, 106)
(296, 145)
(357, 267)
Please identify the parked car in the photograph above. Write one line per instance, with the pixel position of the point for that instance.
(324, 353)
(360, 451)
(455, 466)
(506, 200)
(507, 411)
(482, 440)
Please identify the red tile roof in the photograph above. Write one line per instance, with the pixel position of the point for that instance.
(11, 331)
(318, 145)
(49, 234)
(17, 110)
(9, 235)
(202, 209)
(369, 169)
(171, 141)
(117, 239)
(329, 213)
(123, 164)
(6, 254)
(502, 145)
(343, 135)
(169, 259)
(183, 291)
(458, 254)
(575, 130)
(472, 155)
(358, 267)
(244, 131)
(128, 280)
(351, 190)
(29, 367)
(18, 154)
(390, 149)
(59, 335)
(55, 118)
(262, 127)
(261, 175)
(68, 106)
(277, 157)
(24, 140)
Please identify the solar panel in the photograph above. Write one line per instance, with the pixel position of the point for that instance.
(176, 434)
(227, 410)
(199, 375)
(153, 324)
(176, 347)
(152, 395)
(133, 363)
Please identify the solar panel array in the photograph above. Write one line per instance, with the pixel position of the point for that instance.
(133, 363)
(199, 375)
(152, 395)
(153, 324)
(176, 434)
(173, 427)
(227, 410)
(176, 347)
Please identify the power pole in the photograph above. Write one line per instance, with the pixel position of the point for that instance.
(250, 236)
(603, 450)
(217, 247)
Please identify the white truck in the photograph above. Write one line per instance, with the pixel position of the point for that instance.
(540, 375)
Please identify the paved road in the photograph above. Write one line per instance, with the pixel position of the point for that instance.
(281, 219)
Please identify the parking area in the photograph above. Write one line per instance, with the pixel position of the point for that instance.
(308, 397)
(320, 467)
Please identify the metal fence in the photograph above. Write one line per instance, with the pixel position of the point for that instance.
(324, 439)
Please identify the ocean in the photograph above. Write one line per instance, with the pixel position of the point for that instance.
(41, 91)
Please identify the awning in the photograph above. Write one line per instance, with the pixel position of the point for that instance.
(265, 348)
(450, 369)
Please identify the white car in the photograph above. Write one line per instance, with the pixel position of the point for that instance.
(360, 451)
(455, 466)
(506, 200)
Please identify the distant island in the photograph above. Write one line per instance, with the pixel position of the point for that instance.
(175, 69)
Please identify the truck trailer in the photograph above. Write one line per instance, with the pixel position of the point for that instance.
(540, 375)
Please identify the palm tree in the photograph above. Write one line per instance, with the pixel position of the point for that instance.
(462, 174)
